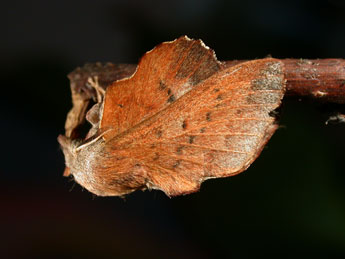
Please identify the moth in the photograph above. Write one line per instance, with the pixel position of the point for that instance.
(180, 118)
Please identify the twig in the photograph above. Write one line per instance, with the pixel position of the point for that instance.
(321, 79)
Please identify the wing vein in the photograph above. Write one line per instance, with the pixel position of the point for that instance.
(204, 147)
(211, 134)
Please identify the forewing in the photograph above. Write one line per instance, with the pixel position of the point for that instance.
(215, 130)
(163, 75)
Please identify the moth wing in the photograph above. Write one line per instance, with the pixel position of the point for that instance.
(163, 75)
(215, 130)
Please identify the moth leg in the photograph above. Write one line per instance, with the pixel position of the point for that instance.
(99, 90)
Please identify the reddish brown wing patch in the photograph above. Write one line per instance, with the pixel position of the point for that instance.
(164, 75)
(215, 125)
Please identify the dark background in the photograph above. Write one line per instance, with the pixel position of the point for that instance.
(290, 202)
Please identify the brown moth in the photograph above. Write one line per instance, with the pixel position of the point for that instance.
(180, 119)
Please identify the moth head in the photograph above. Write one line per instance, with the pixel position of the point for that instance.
(80, 158)
(69, 149)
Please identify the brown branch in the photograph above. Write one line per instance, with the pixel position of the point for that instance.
(321, 79)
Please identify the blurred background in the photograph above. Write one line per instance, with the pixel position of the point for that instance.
(290, 202)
